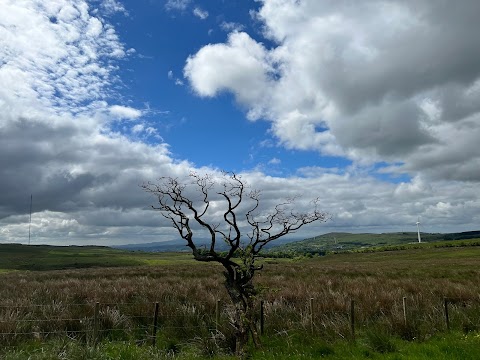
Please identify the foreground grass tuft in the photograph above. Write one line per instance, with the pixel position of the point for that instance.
(282, 346)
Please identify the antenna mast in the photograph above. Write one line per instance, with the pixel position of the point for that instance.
(30, 223)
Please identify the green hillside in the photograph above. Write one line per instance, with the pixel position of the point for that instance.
(45, 257)
(339, 242)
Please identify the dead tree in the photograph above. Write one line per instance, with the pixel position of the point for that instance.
(241, 226)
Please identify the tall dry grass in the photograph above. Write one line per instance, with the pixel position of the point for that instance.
(40, 305)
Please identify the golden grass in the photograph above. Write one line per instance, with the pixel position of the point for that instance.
(187, 295)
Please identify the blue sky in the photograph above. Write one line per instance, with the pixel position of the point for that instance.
(371, 106)
(208, 132)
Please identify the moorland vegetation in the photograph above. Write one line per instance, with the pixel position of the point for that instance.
(49, 314)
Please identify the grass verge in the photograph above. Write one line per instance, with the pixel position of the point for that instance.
(281, 346)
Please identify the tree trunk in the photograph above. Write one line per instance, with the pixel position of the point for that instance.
(242, 294)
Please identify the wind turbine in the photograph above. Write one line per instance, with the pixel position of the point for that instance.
(418, 230)
(30, 223)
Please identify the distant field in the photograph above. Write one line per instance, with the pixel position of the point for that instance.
(42, 257)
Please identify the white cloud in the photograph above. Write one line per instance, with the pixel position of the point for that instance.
(177, 4)
(138, 128)
(53, 107)
(246, 72)
(94, 28)
(55, 113)
(42, 67)
(395, 82)
(177, 81)
(200, 13)
(231, 26)
(124, 112)
(113, 6)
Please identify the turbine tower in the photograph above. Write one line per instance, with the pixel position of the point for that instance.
(418, 230)
(30, 223)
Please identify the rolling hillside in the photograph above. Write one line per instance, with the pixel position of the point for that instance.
(338, 242)
(44, 257)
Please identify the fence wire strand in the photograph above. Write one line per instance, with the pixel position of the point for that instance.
(131, 317)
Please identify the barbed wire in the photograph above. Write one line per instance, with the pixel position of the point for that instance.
(92, 304)
(130, 319)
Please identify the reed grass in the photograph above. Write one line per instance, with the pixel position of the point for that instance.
(46, 306)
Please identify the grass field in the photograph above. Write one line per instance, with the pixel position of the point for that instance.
(43, 257)
(37, 302)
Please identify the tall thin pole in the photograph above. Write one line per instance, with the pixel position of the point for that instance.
(30, 223)
(155, 324)
(418, 231)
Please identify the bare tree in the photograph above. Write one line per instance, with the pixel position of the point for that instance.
(239, 224)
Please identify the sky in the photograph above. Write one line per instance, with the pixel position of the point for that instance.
(371, 106)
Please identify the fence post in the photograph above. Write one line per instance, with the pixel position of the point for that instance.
(217, 315)
(311, 315)
(95, 323)
(262, 317)
(155, 324)
(352, 318)
(447, 318)
(405, 311)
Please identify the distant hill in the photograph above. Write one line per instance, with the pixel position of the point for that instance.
(339, 241)
(180, 245)
(336, 241)
(45, 257)
(164, 246)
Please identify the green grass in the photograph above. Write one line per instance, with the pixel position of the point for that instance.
(281, 346)
(187, 295)
(445, 347)
(43, 257)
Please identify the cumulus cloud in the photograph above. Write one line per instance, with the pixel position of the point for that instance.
(57, 70)
(394, 82)
(246, 72)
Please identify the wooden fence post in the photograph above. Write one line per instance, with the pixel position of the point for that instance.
(155, 324)
(405, 311)
(447, 317)
(262, 317)
(352, 318)
(311, 316)
(217, 315)
(95, 323)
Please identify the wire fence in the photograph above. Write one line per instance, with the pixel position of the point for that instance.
(146, 322)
